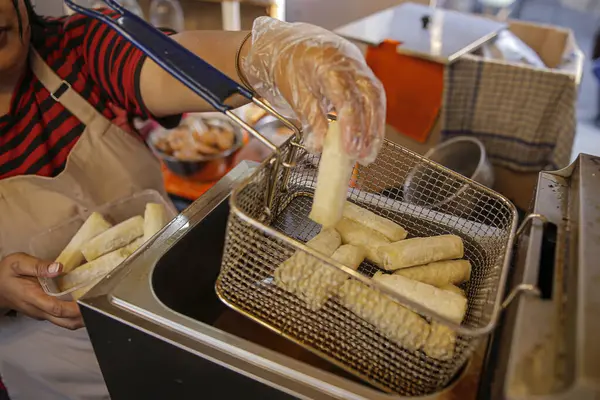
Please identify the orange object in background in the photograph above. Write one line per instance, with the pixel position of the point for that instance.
(184, 188)
(414, 89)
(192, 187)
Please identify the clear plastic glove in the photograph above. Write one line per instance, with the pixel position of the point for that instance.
(305, 71)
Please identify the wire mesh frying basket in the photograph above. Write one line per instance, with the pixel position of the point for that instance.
(259, 239)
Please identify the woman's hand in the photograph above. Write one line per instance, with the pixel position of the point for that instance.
(306, 71)
(21, 291)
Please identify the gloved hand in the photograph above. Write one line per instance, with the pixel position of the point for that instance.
(305, 71)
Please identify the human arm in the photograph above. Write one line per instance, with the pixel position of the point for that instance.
(21, 291)
(302, 70)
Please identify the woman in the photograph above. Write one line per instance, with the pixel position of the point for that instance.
(61, 81)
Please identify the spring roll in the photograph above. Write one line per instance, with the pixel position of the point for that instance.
(333, 179)
(442, 302)
(360, 236)
(133, 246)
(454, 289)
(439, 273)
(325, 280)
(93, 269)
(389, 229)
(155, 218)
(441, 342)
(420, 251)
(301, 265)
(394, 321)
(116, 237)
(71, 257)
(79, 293)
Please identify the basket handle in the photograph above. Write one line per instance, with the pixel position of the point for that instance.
(543, 237)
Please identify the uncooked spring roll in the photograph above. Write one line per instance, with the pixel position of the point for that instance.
(324, 281)
(114, 238)
(442, 302)
(359, 235)
(93, 269)
(420, 251)
(301, 265)
(439, 273)
(389, 229)
(394, 321)
(71, 257)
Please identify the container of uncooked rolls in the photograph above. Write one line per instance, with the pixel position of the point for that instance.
(97, 240)
(399, 293)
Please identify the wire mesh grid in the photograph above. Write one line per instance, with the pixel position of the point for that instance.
(484, 220)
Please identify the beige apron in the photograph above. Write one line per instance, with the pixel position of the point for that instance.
(37, 359)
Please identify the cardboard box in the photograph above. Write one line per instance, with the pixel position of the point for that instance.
(557, 48)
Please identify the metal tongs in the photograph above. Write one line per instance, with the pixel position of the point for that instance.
(195, 73)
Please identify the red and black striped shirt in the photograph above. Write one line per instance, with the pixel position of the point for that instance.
(38, 133)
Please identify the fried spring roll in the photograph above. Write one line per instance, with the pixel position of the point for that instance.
(442, 302)
(325, 280)
(454, 289)
(439, 273)
(360, 236)
(441, 342)
(301, 265)
(389, 229)
(394, 321)
(420, 251)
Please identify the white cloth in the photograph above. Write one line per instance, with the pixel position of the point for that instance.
(40, 361)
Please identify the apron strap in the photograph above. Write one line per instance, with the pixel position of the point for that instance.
(62, 92)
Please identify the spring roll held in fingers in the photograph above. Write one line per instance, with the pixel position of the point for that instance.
(389, 229)
(301, 265)
(420, 251)
(359, 235)
(333, 179)
(325, 280)
(394, 321)
(442, 302)
(439, 273)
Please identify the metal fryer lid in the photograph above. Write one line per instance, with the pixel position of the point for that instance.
(447, 35)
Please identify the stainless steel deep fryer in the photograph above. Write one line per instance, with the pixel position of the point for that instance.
(268, 223)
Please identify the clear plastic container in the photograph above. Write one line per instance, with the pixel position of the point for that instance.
(48, 245)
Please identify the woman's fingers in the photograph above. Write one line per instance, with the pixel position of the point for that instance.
(71, 323)
(51, 305)
(338, 88)
(25, 265)
(374, 110)
(68, 323)
(313, 115)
